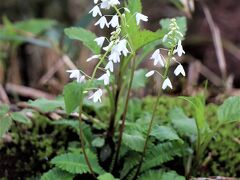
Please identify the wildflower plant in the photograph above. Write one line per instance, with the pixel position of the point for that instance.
(117, 57)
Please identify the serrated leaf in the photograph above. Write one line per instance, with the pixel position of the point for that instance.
(182, 123)
(145, 37)
(4, 109)
(130, 162)
(85, 36)
(20, 117)
(161, 153)
(164, 133)
(46, 105)
(139, 38)
(76, 164)
(229, 111)
(57, 174)
(134, 140)
(161, 175)
(5, 124)
(73, 95)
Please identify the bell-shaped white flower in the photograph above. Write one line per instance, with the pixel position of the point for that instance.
(150, 73)
(179, 70)
(95, 11)
(109, 46)
(167, 83)
(102, 22)
(114, 21)
(141, 17)
(109, 66)
(114, 56)
(105, 78)
(100, 41)
(96, 96)
(179, 49)
(93, 57)
(75, 74)
(122, 47)
(156, 56)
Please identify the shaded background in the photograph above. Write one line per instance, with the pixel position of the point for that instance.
(41, 68)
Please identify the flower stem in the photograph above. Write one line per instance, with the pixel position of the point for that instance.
(82, 141)
(122, 126)
(153, 116)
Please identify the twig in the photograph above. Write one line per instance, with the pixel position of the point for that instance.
(3, 95)
(46, 77)
(27, 91)
(217, 40)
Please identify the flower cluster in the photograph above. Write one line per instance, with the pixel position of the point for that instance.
(173, 40)
(117, 45)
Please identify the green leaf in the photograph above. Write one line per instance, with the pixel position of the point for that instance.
(142, 38)
(139, 79)
(5, 124)
(76, 164)
(161, 175)
(229, 111)
(161, 153)
(164, 133)
(85, 36)
(4, 108)
(46, 105)
(182, 123)
(139, 38)
(134, 140)
(35, 26)
(131, 161)
(106, 176)
(20, 117)
(73, 95)
(198, 108)
(57, 174)
(98, 142)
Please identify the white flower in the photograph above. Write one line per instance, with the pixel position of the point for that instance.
(109, 66)
(106, 4)
(150, 73)
(76, 74)
(114, 56)
(95, 1)
(106, 78)
(127, 10)
(95, 11)
(102, 22)
(100, 41)
(179, 49)
(93, 57)
(156, 56)
(167, 83)
(97, 96)
(140, 17)
(179, 70)
(110, 45)
(114, 22)
(121, 47)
